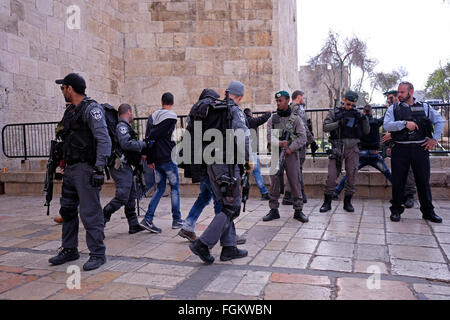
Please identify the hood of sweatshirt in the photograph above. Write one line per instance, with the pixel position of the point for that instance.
(163, 114)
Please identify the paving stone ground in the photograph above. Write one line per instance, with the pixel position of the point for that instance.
(338, 255)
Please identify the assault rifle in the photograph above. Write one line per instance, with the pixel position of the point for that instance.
(140, 184)
(245, 188)
(50, 174)
(282, 161)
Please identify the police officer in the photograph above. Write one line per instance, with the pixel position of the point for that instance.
(225, 184)
(346, 126)
(86, 147)
(297, 107)
(411, 123)
(128, 155)
(410, 187)
(368, 153)
(288, 125)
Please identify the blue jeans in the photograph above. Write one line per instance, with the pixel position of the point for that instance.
(368, 158)
(162, 172)
(202, 201)
(258, 178)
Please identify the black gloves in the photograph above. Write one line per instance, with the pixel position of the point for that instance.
(98, 177)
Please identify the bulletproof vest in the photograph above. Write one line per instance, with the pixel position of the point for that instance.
(371, 141)
(351, 128)
(416, 113)
(78, 140)
(132, 157)
(285, 126)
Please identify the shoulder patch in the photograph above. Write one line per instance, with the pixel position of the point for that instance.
(96, 113)
(123, 130)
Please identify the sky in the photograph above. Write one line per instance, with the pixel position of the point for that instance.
(414, 34)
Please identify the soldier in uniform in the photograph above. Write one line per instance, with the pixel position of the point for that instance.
(86, 147)
(411, 123)
(225, 184)
(346, 126)
(297, 107)
(128, 155)
(287, 124)
(410, 188)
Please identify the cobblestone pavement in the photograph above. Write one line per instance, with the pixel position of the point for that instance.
(334, 256)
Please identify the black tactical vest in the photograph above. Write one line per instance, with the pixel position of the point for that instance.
(371, 141)
(78, 140)
(351, 128)
(132, 157)
(416, 113)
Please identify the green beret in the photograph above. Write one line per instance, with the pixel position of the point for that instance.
(351, 96)
(282, 94)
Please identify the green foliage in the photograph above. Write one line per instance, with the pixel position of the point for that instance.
(387, 81)
(438, 84)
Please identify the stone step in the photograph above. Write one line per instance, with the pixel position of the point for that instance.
(370, 183)
(319, 162)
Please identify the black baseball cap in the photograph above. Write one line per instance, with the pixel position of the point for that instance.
(394, 92)
(75, 80)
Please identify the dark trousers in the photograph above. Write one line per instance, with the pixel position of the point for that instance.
(77, 191)
(125, 189)
(415, 156)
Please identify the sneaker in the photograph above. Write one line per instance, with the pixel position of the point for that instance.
(150, 226)
(94, 262)
(229, 253)
(191, 236)
(177, 224)
(240, 240)
(265, 197)
(64, 255)
(201, 250)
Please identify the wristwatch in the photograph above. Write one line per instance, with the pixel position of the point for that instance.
(405, 122)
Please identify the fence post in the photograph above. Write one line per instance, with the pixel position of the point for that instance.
(24, 142)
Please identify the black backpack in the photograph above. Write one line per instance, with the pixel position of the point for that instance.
(112, 119)
(213, 115)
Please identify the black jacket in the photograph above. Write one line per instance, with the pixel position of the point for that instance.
(254, 123)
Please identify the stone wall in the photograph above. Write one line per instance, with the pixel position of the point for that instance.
(312, 81)
(37, 47)
(134, 50)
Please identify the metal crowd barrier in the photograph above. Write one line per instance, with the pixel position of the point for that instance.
(32, 140)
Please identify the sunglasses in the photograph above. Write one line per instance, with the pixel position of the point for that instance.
(62, 88)
(350, 105)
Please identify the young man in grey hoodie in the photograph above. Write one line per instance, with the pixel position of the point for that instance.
(160, 127)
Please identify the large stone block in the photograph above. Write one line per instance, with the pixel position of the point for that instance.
(18, 45)
(164, 40)
(28, 67)
(9, 62)
(257, 53)
(146, 40)
(45, 6)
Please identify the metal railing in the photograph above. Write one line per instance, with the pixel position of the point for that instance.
(32, 140)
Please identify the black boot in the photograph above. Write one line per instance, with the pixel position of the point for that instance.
(134, 226)
(326, 206)
(64, 255)
(108, 210)
(287, 199)
(229, 253)
(409, 202)
(94, 262)
(201, 250)
(272, 215)
(299, 215)
(348, 204)
(433, 217)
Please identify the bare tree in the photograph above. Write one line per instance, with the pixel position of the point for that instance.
(386, 81)
(341, 57)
